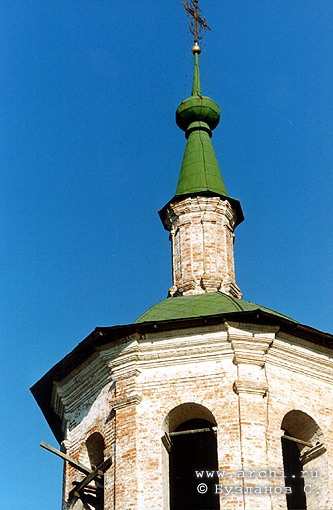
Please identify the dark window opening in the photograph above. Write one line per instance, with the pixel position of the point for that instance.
(94, 493)
(194, 450)
(293, 475)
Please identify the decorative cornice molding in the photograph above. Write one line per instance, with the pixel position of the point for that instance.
(79, 389)
(244, 330)
(229, 287)
(111, 353)
(123, 361)
(250, 344)
(126, 401)
(178, 350)
(301, 358)
(125, 373)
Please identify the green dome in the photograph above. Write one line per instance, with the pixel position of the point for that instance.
(198, 108)
(201, 305)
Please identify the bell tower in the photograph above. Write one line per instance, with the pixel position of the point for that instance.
(206, 401)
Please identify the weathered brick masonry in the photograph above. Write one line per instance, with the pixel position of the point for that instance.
(248, 377)
(201, 231)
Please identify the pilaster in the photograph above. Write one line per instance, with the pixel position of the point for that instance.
(250, 347)
(123, 403)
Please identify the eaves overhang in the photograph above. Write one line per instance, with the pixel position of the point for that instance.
(43, 389)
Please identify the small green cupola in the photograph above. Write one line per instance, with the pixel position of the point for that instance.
(200, 173)
(198, 116)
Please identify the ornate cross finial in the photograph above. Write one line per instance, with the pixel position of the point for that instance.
(198, 24)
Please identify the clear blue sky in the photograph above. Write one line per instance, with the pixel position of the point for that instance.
(89, 152)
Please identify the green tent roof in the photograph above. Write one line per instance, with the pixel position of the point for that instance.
(201, 305)
(200, 170)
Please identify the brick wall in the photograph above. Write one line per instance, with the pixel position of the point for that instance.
(202, 238)
(242, 378)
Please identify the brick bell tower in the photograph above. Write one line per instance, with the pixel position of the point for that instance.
(207, 401)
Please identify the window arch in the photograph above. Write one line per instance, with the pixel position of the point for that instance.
(95, 448)
(95, 492)
(191, 445)
(304, 460)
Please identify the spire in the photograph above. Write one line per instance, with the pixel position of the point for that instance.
(198, 116)
(196, 87)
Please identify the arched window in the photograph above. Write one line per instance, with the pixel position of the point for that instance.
(192, 449)
(304, 460)
(95, 448)
(95, 492)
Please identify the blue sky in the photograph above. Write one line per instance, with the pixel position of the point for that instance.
(89, 152)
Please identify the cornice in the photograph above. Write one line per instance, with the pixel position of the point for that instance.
(123, 363)
(301, 359)
(318, 365)
(199, 347)
(120, 403)
(250, 344)
(70, 397)
(70, 394)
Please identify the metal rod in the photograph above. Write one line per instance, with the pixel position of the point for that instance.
(195, 431)
(295, 440)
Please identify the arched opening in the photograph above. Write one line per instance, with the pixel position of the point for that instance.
(94, 493)
(304, 460)
(95, 448)
(293, 475)
(192, 446)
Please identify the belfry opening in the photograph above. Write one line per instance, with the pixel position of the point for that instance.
(194, 449)
(296, 499)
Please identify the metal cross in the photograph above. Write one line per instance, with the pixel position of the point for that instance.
(198, 24)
